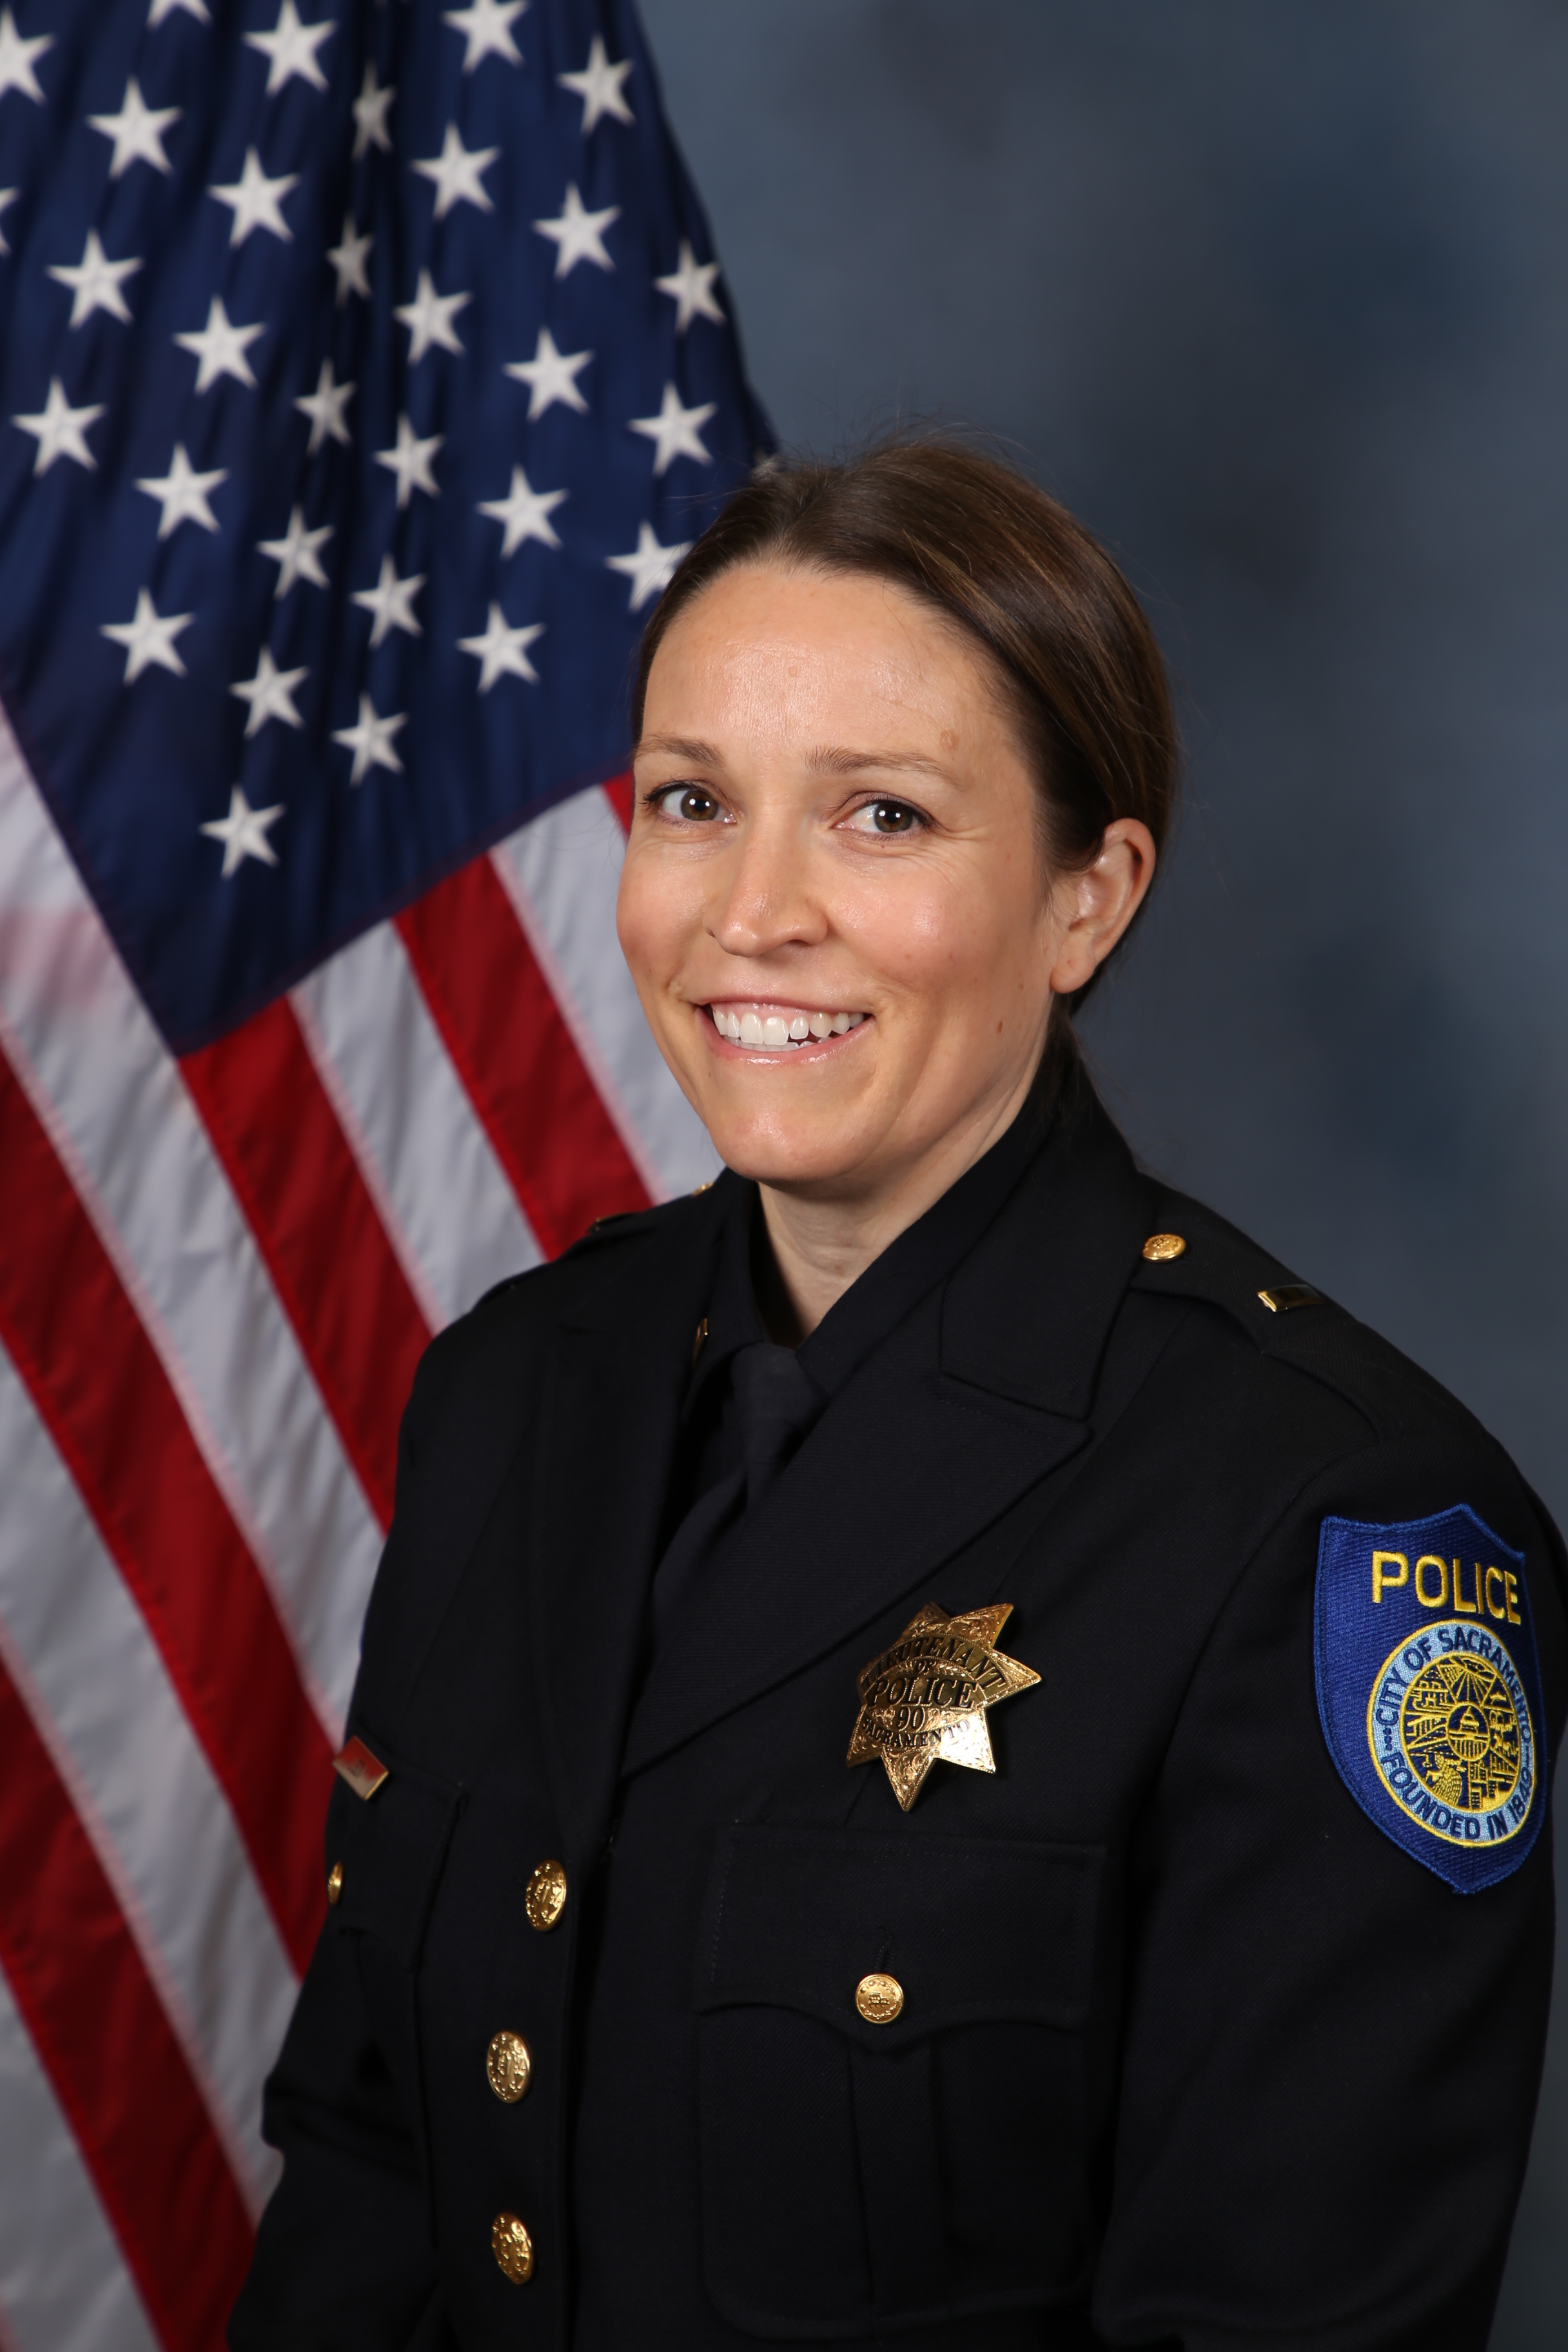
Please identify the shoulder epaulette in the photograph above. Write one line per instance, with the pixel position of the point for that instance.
(1195, 1254)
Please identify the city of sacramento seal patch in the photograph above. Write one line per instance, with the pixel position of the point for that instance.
(1429, 1689)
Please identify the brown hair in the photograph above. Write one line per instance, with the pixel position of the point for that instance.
(995, 555)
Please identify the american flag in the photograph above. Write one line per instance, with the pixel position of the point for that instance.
(364, 371)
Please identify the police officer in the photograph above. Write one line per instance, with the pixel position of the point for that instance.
(944, 1751)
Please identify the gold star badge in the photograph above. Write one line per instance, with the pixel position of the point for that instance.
(928, 1695)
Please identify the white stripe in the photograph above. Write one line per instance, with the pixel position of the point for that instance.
(100, 1699)
(120, 1116)
(64, 2286)
(442, 1193)
(560, 872)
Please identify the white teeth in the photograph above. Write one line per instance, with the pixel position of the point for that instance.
(774, 1030)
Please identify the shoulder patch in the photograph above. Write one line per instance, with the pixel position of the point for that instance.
(1429, 1689)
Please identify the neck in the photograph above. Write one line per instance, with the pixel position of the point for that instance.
(819, 1246)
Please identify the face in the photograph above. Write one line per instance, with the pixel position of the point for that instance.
(833, 902)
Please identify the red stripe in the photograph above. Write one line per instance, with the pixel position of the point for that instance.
(503, 1029)
(619, 792)
(317, 1227)
(98, 1388)
(109, 2051)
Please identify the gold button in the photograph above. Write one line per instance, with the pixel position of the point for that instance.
(879, 1999)
(546, 1897)
(1159, 1247)
(508, 2065)
(512, 2248)
(335, 1883)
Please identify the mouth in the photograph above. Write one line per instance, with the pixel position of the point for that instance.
(780, 1028)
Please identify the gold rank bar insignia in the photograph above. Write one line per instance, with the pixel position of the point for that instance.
(926, 1697)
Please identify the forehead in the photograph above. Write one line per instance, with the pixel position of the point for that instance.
(791, 647)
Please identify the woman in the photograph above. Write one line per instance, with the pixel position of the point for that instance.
(943, 1750)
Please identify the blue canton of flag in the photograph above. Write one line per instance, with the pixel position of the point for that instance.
(364, 374)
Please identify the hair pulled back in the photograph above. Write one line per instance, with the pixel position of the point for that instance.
(980, 543)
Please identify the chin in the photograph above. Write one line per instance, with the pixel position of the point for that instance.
(788, 1160)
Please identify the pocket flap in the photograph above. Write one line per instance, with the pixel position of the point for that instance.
(392, 1846)
(973, 1931)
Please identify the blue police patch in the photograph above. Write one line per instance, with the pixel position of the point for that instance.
(1429, 1689)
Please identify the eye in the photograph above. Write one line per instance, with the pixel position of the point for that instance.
(887, 817)
(687, 803)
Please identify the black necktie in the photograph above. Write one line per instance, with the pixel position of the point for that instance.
(776, 1401)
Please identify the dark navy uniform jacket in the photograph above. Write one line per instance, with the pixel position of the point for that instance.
(1194, 2050)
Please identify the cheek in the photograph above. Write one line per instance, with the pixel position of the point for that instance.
(654, 916)
(963, 925)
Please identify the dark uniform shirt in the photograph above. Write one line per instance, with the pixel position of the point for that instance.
(1198, 1996)
(750, 1401)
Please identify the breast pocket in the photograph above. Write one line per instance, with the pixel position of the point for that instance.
(893, 2093)
(386, 1854)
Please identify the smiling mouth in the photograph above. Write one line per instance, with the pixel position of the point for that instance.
(779, 1027)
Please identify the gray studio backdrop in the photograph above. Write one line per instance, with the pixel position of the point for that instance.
(1273, 297)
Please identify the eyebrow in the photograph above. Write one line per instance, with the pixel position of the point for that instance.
(683, 747)
(826, 759)
(833, 761)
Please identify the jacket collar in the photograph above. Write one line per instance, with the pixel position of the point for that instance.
(617, 1368)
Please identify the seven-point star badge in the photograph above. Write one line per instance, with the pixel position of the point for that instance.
(928, 1695)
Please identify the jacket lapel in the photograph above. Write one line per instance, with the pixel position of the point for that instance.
(981, 1394)
(606, 1441)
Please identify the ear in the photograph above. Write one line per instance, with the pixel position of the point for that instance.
(1095, 906)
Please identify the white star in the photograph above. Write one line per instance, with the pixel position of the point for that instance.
(8, 197)
(256, 200)
(551, 375)
(501, 652)
(181, 493)
(691, 288)
(269, 694)
(411, 461)
(348, 259)
(371, 740)
(648, 567)
(392, 602)
(295, 553)
(220, 348)
(60, 430)
(243, 832)
(676, 431)
(137, 132)
(94, 282)
(370, 115)
(16, 58)
(290, 49)
(599, 86)
(325, 407)
(456, 173)
(487, 26)
(525, 513)
(162, 9)
(428, 319)
(148, 640)
(576, 234)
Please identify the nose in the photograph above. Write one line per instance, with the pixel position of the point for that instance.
(767, 902)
